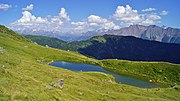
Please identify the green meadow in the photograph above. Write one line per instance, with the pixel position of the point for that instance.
(25, 75)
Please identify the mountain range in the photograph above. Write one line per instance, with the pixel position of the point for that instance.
(26, 76)
(152, 32)
(116, 47)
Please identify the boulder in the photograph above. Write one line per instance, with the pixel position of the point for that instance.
(58, 84)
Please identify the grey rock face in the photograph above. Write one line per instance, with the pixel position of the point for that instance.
(152, 32)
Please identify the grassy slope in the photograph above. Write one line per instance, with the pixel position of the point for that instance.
(24, 78)
(120, 47)
(164, 74)
(161, 73)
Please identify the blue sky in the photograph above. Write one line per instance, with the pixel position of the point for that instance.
(89, 13)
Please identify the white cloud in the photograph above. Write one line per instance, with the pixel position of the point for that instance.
(153, 17)
(126, 14)
(28, 7)
(164, 12)
(97, 21)
(29, 21)
(94, 22)
(148, 9)
(78, 23)
(56, 20)
(63, 14)
(123, 16)
(4, 6)
(29, 18)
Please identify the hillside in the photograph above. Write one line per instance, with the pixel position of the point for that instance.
(117, 47)
(131, 48)
(25, 75)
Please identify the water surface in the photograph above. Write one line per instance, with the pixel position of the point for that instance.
(90, 68)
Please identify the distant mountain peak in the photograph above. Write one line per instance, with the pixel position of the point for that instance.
(151, 32)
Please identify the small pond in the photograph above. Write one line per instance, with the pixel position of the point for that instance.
(90, 68)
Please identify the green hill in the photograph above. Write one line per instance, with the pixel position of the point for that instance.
(116, 47)
(25, 75)
(56, 43)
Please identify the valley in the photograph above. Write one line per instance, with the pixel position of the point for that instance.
(26, 75)
(89, 50)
